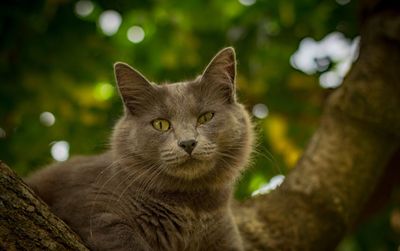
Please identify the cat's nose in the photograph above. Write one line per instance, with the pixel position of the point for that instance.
(188, 145)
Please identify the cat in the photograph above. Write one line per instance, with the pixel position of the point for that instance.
(166, 183)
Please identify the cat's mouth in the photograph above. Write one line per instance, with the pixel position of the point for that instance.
(187, 160)
(190, 160)
(189, 167)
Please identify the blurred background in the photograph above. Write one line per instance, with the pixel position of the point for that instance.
(58, 96)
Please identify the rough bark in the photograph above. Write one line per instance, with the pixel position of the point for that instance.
(319, 200)
(26, 222)
(359, 132)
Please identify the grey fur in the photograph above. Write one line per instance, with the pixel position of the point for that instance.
(146, 192)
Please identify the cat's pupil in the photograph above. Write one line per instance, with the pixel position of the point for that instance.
(161, 124)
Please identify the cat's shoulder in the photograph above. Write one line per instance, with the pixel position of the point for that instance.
(79, 164)
(79, 169)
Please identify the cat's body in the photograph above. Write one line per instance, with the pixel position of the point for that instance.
(166, 183)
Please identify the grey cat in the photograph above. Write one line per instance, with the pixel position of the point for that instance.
(167, 181)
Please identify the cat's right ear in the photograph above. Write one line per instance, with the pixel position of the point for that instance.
(133, 87)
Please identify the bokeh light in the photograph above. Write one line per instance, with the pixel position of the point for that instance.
(47, 118)
(84, 8)
(103, 91)
(110, 21)
(343, 2)
(260, 111)
(60, 150)
(2, 133)
(247, 2)
(135, 34)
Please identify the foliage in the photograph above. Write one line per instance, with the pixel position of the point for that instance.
(54, 59)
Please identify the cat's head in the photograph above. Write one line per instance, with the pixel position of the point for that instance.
(183, 135)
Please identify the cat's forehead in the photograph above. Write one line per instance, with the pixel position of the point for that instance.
(180, 97)
(178, 91)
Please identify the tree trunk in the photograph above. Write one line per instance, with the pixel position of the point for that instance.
(320, 199)
(26, 222)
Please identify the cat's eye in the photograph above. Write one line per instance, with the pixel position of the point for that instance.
(204, 118)
(161, 124)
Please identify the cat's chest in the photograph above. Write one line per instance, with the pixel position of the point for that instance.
(172, 227)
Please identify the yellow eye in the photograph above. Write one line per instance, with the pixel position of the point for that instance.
(161, 124)
(205, 117)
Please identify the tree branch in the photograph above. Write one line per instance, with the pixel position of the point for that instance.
(323, 196)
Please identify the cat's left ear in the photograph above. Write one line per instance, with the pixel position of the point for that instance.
(221, 73)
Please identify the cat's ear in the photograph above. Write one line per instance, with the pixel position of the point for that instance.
(221, 73)
(133, 87)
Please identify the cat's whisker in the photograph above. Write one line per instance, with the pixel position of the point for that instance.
(176, 158)
(228, 164)
(109, 167)
(152, 178)
(170, 157)
(227, 155)
(149, 177)
(120, 170)
(269, 156)
(98, 192)
(147, 171)
(106, 169)
(169, 154)
(133, 174)
(135, 178)
(203, 154)
(97, 195)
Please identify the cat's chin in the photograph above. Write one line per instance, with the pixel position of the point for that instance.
(190, 169)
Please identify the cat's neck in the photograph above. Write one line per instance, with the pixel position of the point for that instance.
(199, 200)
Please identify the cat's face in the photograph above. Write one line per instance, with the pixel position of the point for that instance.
(184, 132)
